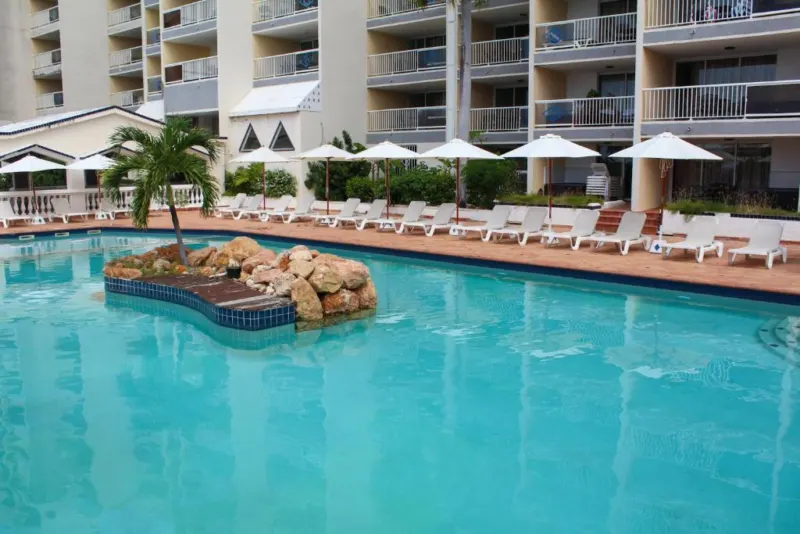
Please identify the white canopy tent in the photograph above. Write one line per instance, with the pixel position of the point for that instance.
(31, 164)
(386, 151)
(97, 162)
(262, 155)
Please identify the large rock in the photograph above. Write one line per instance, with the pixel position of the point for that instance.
(266, 276)
(343, 301)
(354, 274)
(162, 265)
(240, 248)
(300, 255)
(325, 279)
(122, 272)
(197, 258)
(283, 284)
(282, 261)
(297, 248)
(367, 296)
(170, 253)
(307, 304)
(264, 257)
(300, 268)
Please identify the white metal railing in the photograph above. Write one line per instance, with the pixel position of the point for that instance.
(47, 59)
(44, 17)
(593, 31)
(49, 100)
(407, 61)
(126, 14)
(190, 71)
(500, 51)
(190, 14)
(385, 8)
(272, 9)
(724, 101)
(390, 120)
(134, 97)
(128, 56)
(512, 119)
(583, 112)
(287, 64)
(153, 36)
(664, 13)
(154, 85)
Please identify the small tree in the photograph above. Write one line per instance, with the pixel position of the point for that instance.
(341, 171)
(158, 162)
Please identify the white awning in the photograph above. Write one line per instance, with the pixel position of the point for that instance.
(284, 98)
(153, 110)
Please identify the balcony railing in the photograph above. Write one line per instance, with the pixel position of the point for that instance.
(417, 60)
(404, 119)
(128, 56)
(44, 61)
(44, 17)
(154, 85)
(131, 98)
(499, 119)
(287, 64)
(126, 14)
(49, 101)
(500, 51)
(585, 112)
(153, 36)
(580, 33)
(720, 102)
(665, 13)
(191, 71)
(190, 14)
(385, 8)
(274, 9)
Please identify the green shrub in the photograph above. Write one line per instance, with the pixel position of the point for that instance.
(487, 180)
(247, 180)
(363, 188)
(434, 185)
(573, 201)
(341, 171)
(281, 182)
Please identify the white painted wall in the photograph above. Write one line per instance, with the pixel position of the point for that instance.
(788, 64)
(84, 53)
(580, 82)
(235, 52)
(582, 9)
(17, 93)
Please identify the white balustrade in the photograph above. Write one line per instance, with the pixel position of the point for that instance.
(287, 64)
(511, 119)
(154, 85)
(126, 14)
(389, 120)
(585, 112)
(44, 17)
(190, 71)
(47, 59)
(49, 100)
(194, 13)
(500, 51)
(130, 98)
(419, 59)
(723, 101)
(593, 31)
(385, 8)
(664, 13)
(22, 202)
(272, 9)
(128, 56)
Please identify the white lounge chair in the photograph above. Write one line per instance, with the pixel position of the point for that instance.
(531, 226)
(413, 214)
(764, 241)
(582, 228)
(440, 221)
(280, 205)
(628, 233)
(250, 204)
(221, 210)
(348, 210)
(374, 213)
(7, 215)
(109, 211)
(497, 221)
(301, 211)
(62, 209)
(699, 239)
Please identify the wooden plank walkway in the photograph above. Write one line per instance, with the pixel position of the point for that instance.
(222, 292)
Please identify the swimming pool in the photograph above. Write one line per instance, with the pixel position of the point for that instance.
(474, 401)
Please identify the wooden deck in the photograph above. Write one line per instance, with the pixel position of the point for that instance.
(222, 292)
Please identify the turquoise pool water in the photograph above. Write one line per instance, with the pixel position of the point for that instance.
(474, 402)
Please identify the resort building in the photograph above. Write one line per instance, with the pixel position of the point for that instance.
(289, 74)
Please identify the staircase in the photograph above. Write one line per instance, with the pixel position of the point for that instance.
(610, 218)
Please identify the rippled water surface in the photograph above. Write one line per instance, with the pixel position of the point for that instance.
(474, 402)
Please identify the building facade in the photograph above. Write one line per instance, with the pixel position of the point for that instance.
(292, 73)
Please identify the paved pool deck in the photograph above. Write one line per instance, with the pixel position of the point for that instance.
(749, 275)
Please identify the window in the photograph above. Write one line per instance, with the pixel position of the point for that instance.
(512, 30)
(426, 100)
(509, 97)
(281, 141)
(616, 84)
(726, 70)
(745, 168)
(250, 141)
(309, 45)
(428, 42)
(617, 7)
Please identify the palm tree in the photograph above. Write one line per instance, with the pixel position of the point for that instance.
(158, 162)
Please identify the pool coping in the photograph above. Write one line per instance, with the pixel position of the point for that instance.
(772, 297)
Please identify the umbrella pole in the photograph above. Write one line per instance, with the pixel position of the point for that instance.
(550, 191)
(665, 165)
(264, 186)
(388, 198)
(32, 185)
(99, 189)
(458, 189)
(328, 185)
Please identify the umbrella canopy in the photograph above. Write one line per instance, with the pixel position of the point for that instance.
(97, 162)
(551, 146)
(262, 155)
(325, 153)
(665, 146)
(30, 164)
(386, 151)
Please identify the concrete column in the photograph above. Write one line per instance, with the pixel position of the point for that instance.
(16, 63)
(235, 53)
(84, 53)
(451, 72)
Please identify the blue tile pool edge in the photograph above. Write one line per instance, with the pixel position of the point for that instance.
(236, 319)
(561, 272)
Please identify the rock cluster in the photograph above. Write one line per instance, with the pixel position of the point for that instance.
(322, 286)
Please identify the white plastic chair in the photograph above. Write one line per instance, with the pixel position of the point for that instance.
(440, 221)
(532, 225)
(764, 241)
(628, 233)
(699, 239)
(582, 228)
(374, 213)
(62, 209)
(234, 204)
(7, 215)
(348, 210)
(301, 211)
(413, 214)
(497, 220)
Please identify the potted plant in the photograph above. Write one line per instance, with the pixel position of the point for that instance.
(234, 269)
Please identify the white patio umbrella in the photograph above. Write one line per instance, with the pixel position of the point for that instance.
(262, 155)
(665, 147)
(458, 149)
(386, 151)
(325, 153)
(551, 146)
(31, 164)
(98, 162)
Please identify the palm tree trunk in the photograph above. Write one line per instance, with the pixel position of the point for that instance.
(176, 224)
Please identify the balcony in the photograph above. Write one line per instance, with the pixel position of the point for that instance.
(667, 13)
(153, 42)
(276, 9)
(761, 108)
(47, 64)
(580, 118)
(387, 8)
(45, 23)
(586, 39)
(407, 66)
(297, 63)
(155, 88)
(126, 61)
(192, 71)
(514, 119)
(191, 87)
(125, 21)
(49, 103)
(405, 119)
(191, 19)
(127, 99)
(501, 57)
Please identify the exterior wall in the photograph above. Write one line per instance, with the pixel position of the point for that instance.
(17, 95)
(379, 99)
(381, 43)
(84, 45)
(235, 52)
(785, 163)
